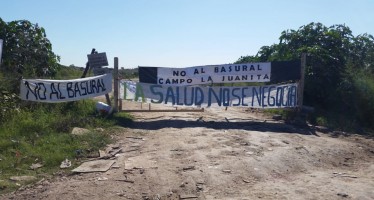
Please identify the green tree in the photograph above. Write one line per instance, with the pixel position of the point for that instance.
(362, 53)
(327, 48)
(27, 53)
(340, 67)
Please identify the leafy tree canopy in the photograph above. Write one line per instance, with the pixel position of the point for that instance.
(332, 52)
(27, 51)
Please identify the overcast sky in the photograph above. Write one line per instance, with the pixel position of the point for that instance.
(178, 33)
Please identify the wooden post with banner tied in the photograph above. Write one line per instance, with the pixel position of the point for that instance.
(116, 85)
(301, 82)
(1, 49)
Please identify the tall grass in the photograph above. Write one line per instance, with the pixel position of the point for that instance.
(40, 133)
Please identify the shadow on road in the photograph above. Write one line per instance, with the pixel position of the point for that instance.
(244, 125)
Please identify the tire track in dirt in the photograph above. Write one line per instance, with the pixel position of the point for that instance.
(223, 154)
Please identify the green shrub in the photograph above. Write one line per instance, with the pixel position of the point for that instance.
(70, 72)
(364, 99)
(321, 121)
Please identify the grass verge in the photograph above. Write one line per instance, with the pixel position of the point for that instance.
(41, 135)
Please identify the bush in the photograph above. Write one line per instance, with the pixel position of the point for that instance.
(364, 99)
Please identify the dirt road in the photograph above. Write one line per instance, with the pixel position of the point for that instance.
(222, 154)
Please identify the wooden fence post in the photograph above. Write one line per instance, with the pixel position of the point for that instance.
(301, 82)
(115, 89)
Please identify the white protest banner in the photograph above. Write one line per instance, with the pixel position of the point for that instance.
(228, 73)
(53, 91)
(268, 96)
(1, 49)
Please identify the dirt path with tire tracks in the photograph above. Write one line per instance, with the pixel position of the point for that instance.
(221, 154)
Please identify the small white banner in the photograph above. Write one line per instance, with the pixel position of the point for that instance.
(127, 89)
(229, 73)
(53, 91)
(267, 96)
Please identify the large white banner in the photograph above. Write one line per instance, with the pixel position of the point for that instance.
(53, 91)
(269, 96)
(228, 73)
